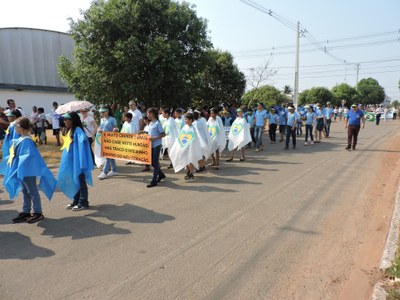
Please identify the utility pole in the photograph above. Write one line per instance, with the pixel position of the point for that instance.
(296, 72)
(358, 71)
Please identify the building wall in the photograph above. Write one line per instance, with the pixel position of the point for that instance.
(29, 57)
(27, 99)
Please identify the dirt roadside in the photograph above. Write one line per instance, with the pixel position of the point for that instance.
(364, 272)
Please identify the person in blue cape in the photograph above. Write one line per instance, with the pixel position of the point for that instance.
(76, 164)
(10, 134)
(24, 165)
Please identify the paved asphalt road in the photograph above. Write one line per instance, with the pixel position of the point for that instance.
(281, 225)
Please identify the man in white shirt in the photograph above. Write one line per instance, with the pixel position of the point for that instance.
(136, 115)
(12, 106)
(56, 123)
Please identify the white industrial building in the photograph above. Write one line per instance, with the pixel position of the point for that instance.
(28, 67)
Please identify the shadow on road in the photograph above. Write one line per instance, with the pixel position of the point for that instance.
(78, 228)
(17, 246)
(307, 232)
(129, 213)
(6, 216)
(6, 202)
(196, 185)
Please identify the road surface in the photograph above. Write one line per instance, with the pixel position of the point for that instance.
(308, 223)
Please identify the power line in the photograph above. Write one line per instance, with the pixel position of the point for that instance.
(331, 65)
(333, 41)
(291, 25)
(339, 47)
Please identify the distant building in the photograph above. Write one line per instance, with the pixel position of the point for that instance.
(28, 67)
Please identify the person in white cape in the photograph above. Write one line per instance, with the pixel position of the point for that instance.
(239, 135)
(188, 148)
(201, 125)
(171, 132)
(217, 135)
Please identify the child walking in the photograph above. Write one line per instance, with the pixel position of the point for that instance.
(24, 165)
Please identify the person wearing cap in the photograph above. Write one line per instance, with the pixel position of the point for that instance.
(328, 114)
(108, 124)
(353, 125)
(273, 121)
(260, 119)
(292, 119)
(76, 164)
(239, 135)
(24, 166)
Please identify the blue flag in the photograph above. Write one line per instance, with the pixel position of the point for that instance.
(11, 134)
(23, 161)
(75, 160)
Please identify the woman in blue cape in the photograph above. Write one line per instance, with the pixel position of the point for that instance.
(76, 164)
(24, 165)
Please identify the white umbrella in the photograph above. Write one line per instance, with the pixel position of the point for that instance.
(73, 106)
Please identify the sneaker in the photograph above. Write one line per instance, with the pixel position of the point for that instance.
(36, 217)
(112, 173)
(79, 207)
(161, 177)
(102, 176)
(151, 184)
(70, 206)
(354, 148)
(189, 176)
(305, 144)
(22, 217)
(257, 150)
(170, 166)
(348, 148)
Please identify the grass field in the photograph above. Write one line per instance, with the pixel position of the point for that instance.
(51, 153)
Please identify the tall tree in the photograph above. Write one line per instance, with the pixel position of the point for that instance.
(260, 75)
(221, 81)
(266, 94)
(370, 91)
(316, 94)
(149, 49)
(345, 92)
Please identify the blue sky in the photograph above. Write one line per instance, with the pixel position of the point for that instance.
(360, 31)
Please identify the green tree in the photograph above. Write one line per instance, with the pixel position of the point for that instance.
(220, 82)
(395, 103)
(345, 92)
(303, 98)
(370, 91)
(287, 90)
(316, 94)
(266, 94)
(149, 49)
